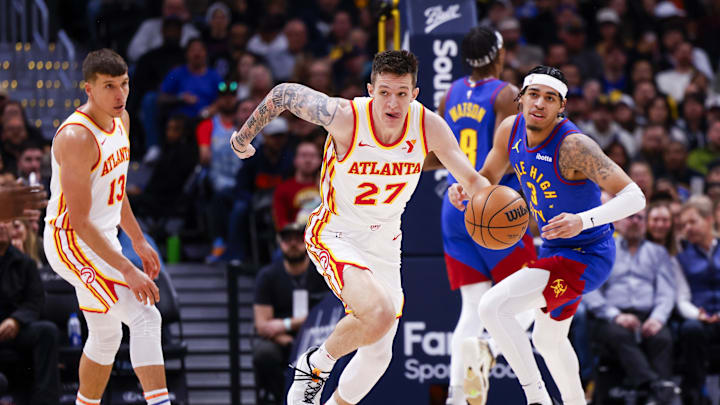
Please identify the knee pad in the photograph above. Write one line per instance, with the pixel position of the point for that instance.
(104, 336)
(145, 337)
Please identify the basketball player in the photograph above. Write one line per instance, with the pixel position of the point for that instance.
(561, 172)
(371, 164)
(90, 157)
(473, 107)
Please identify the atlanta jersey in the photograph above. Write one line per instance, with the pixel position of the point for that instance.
(107, 176)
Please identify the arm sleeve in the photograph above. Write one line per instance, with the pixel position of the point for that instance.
(664, 288)
(627, 202)
(204, 132)
(33, 294)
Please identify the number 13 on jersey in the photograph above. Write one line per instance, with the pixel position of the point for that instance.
(117, 191)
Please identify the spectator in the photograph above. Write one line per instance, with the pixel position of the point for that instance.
(660, 228)
(699, 159)
(692, 123)
(241, 74)
(213, 136)
(296, 34)
(192, 87)
(642, 70)
(14, 133)
(613, 76)
(285, 291)
(270, 43)
(256, 180)
(163, 194)
(608, 23)
(149, 35)
(618, 154)
(573, 35)
(712, 107)
(518, 53)
(339, 36)
(624, 113)
(319, 76)
(672, 37)
(658, 111)
(642, 175)
(239, 37)
(578, 110)
(261, 82)
(557, 55)
(295, 198)
(24, 237)
(604, 130)
(149, 73)
(217, 37)
(635, 330)
(12, 109)
(30, 160)
(573, 77)
(318, 19)
(21, 301)
(652, 146)
(673, 82)
(675, 166)
(700, 311)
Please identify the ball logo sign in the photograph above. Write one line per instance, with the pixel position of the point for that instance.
(87, 275)
(436, 16)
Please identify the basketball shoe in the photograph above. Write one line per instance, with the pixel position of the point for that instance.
(308, 382)
(477, 363)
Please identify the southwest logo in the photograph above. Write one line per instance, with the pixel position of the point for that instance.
(516, 213)
(559, 287)
(543, 157)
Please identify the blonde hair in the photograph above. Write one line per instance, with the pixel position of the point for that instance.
(701, 203)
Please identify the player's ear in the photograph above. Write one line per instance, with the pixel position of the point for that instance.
(563, 104)
(370, 89)
(88, 88)
(415, 92)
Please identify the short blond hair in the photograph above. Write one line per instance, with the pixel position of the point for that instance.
(700, 203)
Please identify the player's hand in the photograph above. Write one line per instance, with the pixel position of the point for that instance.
(283, 339)
(9, 329)
(562, 226)
(149, 257)
(457, 195)
(651, 327)
(275, 327)
(628, 321)
(188, 98)
(144, 289)
(243, 151)
(20, 201)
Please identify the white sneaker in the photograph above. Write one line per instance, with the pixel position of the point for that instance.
(477, 363)
(308, 382)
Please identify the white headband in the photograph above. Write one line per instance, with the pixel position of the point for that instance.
(541, 78)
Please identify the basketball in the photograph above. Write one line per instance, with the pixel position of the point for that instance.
(496, 217)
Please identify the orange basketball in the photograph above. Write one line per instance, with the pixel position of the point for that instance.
(496, 217)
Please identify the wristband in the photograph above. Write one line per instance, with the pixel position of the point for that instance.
(288, 324)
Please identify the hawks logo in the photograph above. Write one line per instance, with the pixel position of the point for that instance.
(559, 287)
(324, 259)
(87, 275)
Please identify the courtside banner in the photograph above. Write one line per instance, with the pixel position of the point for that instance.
(433, 31)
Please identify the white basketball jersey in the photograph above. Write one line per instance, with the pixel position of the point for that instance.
(107, 178)
(372, 183)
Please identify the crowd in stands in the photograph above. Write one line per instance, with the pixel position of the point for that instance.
(643, 82)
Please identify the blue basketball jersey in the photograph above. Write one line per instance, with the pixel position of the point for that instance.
(547, 192)
(470, 112)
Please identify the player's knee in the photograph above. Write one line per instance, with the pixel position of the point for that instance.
(102, 345)
(147, 322)
(379, 320)
(145, 338)
(487, 308)
(545, 345)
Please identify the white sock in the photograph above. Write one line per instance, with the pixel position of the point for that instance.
(322, 359)
(457, 395)
(81, 400)
(537, 393)
(157, 397)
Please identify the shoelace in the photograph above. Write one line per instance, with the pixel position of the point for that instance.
(311, 390)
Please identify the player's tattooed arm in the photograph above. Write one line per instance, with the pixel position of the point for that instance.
(306, 103)
(580, 157)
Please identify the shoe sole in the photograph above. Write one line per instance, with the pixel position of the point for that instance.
(477, 370)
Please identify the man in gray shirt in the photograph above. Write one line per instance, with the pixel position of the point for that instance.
(633, 307)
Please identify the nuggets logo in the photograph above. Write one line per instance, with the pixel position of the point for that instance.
(516, 213)
(87, 275)
(559, 287)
